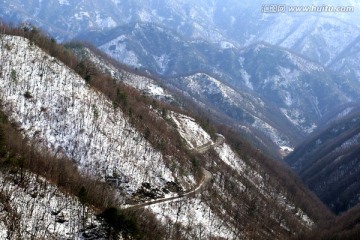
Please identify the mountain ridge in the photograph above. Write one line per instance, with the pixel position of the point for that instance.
(249, 179)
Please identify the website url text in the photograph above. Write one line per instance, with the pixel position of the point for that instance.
(282, 8)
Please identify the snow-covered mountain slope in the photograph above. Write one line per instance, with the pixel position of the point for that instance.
(303, 90)
(186, 37)
(143, 83)
(292, 84)
(328, 162)
(59, 111)
(195, 213)
(245, 176)
(319, 37)
(65, 19)
(244, 108)
(347, 62)
(194, 135)
(149, 46)
(283, 102)
(48, 100)
(316, 37)
(33, 208)
(224, 22)
(54, 105)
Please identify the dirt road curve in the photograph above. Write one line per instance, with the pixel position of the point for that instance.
(205, 179)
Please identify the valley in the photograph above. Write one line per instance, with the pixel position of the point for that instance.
(178, 120)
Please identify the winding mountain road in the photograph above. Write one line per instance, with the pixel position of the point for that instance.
(205, 179)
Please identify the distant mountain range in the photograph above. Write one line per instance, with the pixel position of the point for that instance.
(281, 80)
(241, 24)
(273, 90)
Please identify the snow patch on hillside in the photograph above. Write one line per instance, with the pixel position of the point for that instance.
(64, 2)
(205, 85)
(106, 22)
(144, 84)
(295, 116)
(355, 140)
(39, 210)
(303, 64)
(193, 213)
(301, 30)
(118, 50)
(246, 78)
(190, 131)
(228, 156)
(271, 132)
(344, 113)
(55, 106)
(226, 45)
(282, 26)
(162, 62)
(145, 16)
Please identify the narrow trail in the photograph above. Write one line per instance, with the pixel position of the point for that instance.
(205, 179)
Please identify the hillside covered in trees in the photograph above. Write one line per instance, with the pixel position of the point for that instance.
(68, 130)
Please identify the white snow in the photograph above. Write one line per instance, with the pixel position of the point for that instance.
(64, 2)
(278, 30)
(195, 214)
(228, 156)
(295, 116)
(144, 84)
(226, 45)
(82, 15)
(355, 140)
(271, 132)
(246, 78)
(162, 62)
(121, 52)
(344, 112)
(193, 134)
(303, 64)
(286, 148)
(71, 118)
(30, 210)
(104, 22)
(145, 16)
(204, 84)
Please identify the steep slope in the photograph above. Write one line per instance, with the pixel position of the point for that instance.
(345, 226)
(320, 36)
(37, 94)
(249, 114)
(303, 90)
(218, 22)
(65, 19)
(141, 81)
(184, 37)
(57, 107)
(347, 62)
(328, 162)
(314, 36)
(149, 46)
(133, 162)
(284, 81)
(242, 195)
(34, 208)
